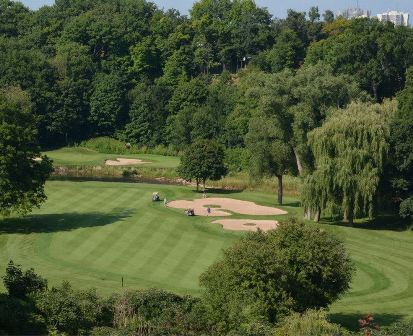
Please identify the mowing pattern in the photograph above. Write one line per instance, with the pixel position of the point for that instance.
(94, 233)
(384, 280)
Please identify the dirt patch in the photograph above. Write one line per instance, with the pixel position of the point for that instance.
(247, 224)
(219, 205)
(124, 162)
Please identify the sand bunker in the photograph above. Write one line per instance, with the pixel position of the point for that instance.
(247, 224)
(219, 205)
(124, 162)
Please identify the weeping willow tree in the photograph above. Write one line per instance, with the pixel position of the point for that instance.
(349, 151)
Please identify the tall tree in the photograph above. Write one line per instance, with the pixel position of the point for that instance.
(401, 153)
(107, 108)
(147, 116)
(23, 171)
(286, 52)
(328, 16)
(350, 151)
(271, 154)
(203, 160)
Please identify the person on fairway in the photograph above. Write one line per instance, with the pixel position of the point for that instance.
(209, 211)
(165, 202)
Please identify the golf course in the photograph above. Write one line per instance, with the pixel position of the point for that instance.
(95, 233)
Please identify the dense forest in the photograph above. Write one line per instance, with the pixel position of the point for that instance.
(307, 95)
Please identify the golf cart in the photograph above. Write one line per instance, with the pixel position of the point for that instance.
(156, 197)
(190, 212)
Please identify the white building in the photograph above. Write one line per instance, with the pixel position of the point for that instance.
(354, 13)
(398, 18)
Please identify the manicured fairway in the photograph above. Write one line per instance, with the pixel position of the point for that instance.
(78, 156)
(93, 233)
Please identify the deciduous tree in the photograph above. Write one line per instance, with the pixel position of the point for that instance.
(23, 171)
(350, 151)
(202, 160)
(265, 276)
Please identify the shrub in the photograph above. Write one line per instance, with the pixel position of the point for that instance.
(68, 311)
(265, 276)
(127, 173)
(399, 329)
(406, 208)
(156, 312)
(19, 317)
(19, 284)
(311, 323)
(108, 145)
(404, 328)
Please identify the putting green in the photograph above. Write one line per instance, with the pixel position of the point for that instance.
(94, 233)
(78, 156)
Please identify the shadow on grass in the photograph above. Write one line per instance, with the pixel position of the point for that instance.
(350, 320)
(292, 204)
(59, 222)
(210, 191)
(382, 222)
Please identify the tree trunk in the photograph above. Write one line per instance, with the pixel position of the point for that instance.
(317, 215)
(280, 189)
(197, 184)
(299, 165)
(350, 216)
(307, 213)
(203, 181)
(376, 95)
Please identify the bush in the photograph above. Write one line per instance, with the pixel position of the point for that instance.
(108, 145)
(19, 317)
(399, 329)
(265, 276)
(156, 312)
(128, 173)
(404, 328)
(68, 311)
(406, 208)
(311, 323)
(19, 284)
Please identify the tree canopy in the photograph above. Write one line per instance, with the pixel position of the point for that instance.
(350, 151)
(23, 171)
(202, 160)
(265, 276)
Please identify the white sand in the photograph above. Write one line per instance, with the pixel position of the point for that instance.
(124, 162)
(219, 205)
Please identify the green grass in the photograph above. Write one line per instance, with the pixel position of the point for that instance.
(78, 156)
(93, 233)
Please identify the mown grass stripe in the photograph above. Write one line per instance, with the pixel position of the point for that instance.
(91, 237)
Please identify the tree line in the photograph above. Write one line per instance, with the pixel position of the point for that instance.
(270, 91)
